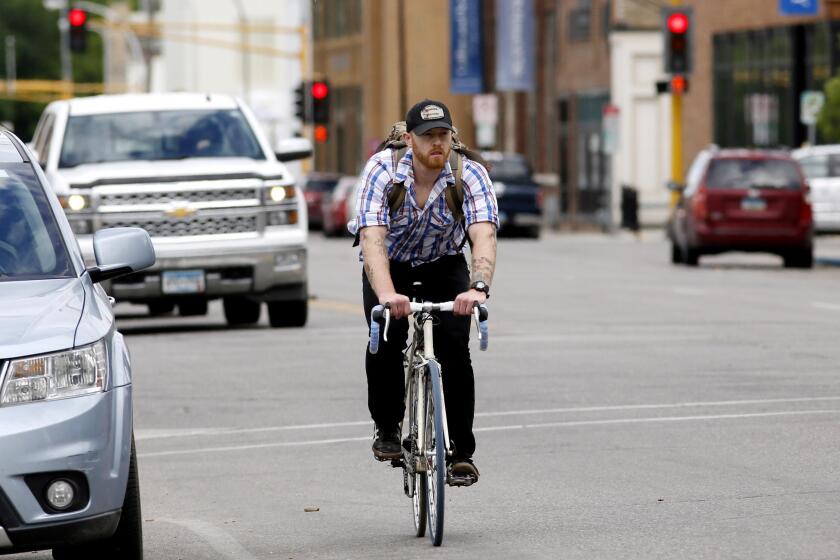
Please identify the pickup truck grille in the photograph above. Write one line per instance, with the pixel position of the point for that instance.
(199, 225)
(142, 198)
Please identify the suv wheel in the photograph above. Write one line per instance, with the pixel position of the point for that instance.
(288, 313)
(241, 311)
(127, 541)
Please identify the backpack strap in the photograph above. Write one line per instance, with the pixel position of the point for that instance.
(396, 198)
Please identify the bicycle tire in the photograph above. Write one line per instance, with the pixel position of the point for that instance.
(419, 502)
(435, 454)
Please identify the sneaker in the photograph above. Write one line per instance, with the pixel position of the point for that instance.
(462, 472)
(387, 445)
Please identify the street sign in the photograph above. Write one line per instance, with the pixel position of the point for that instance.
(810, 105)
(485, 109)
(798, 7)
(55, 4)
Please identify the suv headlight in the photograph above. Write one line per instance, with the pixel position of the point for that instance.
(72, 373)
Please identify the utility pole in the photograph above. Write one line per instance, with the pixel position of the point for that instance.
(246, 59)
(11, 65)
(66, 62)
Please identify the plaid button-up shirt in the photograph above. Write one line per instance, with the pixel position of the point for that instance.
(421, 235)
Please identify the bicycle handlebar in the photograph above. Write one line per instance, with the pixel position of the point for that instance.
(381, 313)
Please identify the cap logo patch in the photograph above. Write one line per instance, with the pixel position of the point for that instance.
(431, 113)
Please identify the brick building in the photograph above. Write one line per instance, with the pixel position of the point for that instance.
(751, 65)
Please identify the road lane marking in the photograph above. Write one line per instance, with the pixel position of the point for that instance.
(142, 435)
(826, 306)
(572, 423)
(568, 424)
(222, 542)
(254, 446)
(340, 306)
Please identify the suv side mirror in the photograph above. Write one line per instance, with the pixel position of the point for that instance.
(674, 186)
(121, 251)
(292, 149)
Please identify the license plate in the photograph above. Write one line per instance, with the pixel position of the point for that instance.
(183, 282)
(753, 204)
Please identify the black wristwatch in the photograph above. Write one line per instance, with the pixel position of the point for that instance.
(481, 286)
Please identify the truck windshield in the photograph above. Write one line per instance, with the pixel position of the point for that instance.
(157, 135)
(737, 173)
(31, 245)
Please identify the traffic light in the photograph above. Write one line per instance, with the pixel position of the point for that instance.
(320, 102)
(78, 29)
(676, 28)
(300, 102)
(321, 133)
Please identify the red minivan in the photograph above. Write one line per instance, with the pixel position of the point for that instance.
(743, 200)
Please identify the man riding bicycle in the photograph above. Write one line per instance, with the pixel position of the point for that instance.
(419, 238)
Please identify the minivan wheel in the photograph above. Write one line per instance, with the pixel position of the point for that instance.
(691, 257)
(127, 541)
(241, 311)
(799, 259)
(676, 254)
(288, 313)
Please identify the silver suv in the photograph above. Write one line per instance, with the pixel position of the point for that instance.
(68, 473)
(195, 171)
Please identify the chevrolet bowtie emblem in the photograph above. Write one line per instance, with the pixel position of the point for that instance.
(181, 211)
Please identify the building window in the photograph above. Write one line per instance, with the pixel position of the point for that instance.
(580, 24)
(336, 18)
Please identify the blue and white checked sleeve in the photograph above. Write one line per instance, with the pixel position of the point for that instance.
(479, 197)
(372, 203)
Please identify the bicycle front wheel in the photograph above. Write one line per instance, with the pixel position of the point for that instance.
(417, 481)
(435, 453)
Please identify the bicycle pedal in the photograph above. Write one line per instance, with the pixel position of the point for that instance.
(397, 463)
(452, 480)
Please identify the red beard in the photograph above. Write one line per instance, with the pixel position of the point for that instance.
(436, 161)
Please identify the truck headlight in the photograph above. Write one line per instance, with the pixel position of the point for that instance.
(281, 218)
(274, 193)
(71, 373)
(75, 202)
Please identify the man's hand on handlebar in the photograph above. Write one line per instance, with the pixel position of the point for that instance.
(465, 302)
(400, 304)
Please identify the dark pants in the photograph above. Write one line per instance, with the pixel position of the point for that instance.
(442, 280)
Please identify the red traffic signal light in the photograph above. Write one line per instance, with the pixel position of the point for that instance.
(678, 23)
(320, 90)
(77, 17)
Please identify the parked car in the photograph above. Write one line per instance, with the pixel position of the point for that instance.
(743, 200)
(68, 467)
(316, 188)
(518, 195)
(821, 165)
(339, 208)
(197, 173)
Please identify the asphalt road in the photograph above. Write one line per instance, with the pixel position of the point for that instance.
(627, 408)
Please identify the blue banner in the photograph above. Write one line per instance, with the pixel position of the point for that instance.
(799, 7)
(465, 62)
(515, 45)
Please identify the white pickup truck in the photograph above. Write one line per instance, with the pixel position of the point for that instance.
(195, 171)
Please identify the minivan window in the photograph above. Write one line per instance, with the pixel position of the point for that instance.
(157, 135)
(821, 166)
(744, 173)
(31, 245)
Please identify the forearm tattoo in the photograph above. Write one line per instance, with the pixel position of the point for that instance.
(373, 247)
(483, 261)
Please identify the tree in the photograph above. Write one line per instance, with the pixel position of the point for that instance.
(828, 119)
(38, 56)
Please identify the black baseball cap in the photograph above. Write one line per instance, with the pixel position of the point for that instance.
(427, 115)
